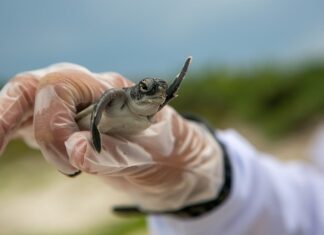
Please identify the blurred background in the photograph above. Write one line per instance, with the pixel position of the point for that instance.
(257, 67)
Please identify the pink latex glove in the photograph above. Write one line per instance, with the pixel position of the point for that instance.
(171, 164)
(17, 100)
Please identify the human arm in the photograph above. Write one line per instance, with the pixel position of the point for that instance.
(267, 197)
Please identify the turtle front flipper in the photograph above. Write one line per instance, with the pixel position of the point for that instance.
(96, 141)
(174, 86)
(105, 100)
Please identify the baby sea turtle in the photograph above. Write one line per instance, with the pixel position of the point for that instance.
(129, 110)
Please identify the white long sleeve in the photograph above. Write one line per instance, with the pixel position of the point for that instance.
(267, 197)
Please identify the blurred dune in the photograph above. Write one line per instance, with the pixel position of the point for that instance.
(37, 199)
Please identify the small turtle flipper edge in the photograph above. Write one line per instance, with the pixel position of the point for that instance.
(98, 110)
(174, 86)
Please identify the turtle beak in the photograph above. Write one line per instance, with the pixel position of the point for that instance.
(171, 92)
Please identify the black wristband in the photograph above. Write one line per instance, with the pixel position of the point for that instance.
(194, 210)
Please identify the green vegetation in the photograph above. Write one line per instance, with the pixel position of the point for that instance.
(21, 167)
(275, 100)
(128, 227)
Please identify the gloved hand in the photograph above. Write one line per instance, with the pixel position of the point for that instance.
(171, 164)
(17, 100)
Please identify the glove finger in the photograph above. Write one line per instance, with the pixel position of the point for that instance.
(58, 98)
(16, 104)
(117, 157)
(169, 133)
(118, 82)
(123, 164)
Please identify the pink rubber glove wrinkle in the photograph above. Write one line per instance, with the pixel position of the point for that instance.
(17, 100)
(169, 165)
(60, 95)
(16, 106)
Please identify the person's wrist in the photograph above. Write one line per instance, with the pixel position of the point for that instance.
(204, 194)
(191, 210)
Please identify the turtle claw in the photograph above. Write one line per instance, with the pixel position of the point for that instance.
(171, 92)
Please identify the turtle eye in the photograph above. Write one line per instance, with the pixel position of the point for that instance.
(143, 87)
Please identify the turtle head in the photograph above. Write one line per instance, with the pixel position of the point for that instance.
(152, 94)
(147, 96)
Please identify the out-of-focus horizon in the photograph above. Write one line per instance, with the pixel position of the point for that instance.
(258, 67)
(139, 38)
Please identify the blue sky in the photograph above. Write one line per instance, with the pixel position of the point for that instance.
(143, 38)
